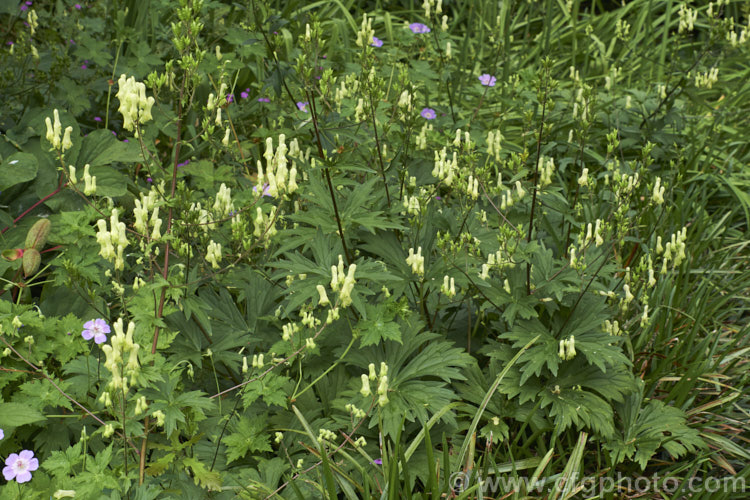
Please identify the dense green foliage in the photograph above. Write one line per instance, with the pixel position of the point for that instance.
(375, 249)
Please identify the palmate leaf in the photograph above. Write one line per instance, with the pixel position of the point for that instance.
(416, 400)
(207, 479)
(302, 291)
(249, 434)
(580, 394)
(542, 354)
(271, 387)
(611, 385)
(512, 387)
(644, 429)
(579, 408)
(358, 209)
(175, 404)
(61, 463)
(420, 371)
(18, 414)
(261, 481)
(379, 325)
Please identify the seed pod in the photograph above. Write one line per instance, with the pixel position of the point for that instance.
(37, 235)
(12, 254)
(31, 261)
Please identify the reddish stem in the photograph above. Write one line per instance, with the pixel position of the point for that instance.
(32, 207)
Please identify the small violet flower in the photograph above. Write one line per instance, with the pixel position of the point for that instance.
(428, 114)
(230, 98)
(245, 93)
(376, 42)
(19, 466)
(184, 163)
(97, 118)
(2, 434)
(266, 189)
(378, 461)
(302, 106)
(487, 80)
(419, 28)
(77, 6)
(266, 99)
(96, 329)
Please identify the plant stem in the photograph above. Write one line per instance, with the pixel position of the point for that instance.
(380, 154)
(327, 173)
(536, 176)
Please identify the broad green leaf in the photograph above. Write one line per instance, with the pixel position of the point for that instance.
(249, 435)
(378, 326)
(18, 414)
(17, 168)
(100, 147)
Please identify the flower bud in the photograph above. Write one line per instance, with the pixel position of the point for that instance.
(365, 391)
(66, 142)
(323, 301)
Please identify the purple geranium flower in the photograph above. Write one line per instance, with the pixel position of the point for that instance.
(376, 42)
(184, 163)
(419, 28)
(428, 114)
(487, 80)
(96, 329)
(378, 461)
(230, 98)
(245, 93)
(264, 99)
(97, 119)
(302, 106)
(77, 6)
(19, 466)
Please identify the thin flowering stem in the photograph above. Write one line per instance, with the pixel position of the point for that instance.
(111, 82)
(165, 269)
(234, 132)
(579, 156)
(60, 186)
(536, 173)
(272, 51)
(443, 64)
(327, 173)
(39, 371)
(380, 153)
